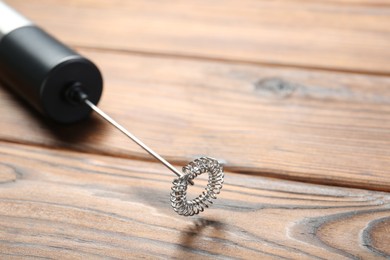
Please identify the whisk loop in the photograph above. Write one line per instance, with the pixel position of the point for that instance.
(195, 168)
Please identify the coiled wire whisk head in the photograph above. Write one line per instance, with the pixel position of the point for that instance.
(195, 168)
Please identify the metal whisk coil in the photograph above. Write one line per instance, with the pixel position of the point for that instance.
(199, 166)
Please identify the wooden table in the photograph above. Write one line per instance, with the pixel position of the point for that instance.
(293, 96)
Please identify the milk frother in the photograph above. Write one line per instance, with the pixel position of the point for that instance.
(65, 87)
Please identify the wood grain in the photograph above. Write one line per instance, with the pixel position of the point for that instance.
(61, 204)
(321, 127)
(270, 88)
(335, 35)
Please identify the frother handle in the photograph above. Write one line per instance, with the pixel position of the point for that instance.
(41, 69)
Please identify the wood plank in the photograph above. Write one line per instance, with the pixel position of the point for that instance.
(329, 128)
(60, 204)
(337, 35)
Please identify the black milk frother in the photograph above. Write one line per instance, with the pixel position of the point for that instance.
(65, 86)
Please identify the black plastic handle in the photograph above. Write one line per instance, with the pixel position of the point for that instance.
(41, 70)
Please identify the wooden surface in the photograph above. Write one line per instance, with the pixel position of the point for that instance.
(292, 96)
(55, 202)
